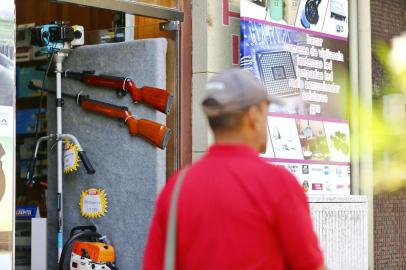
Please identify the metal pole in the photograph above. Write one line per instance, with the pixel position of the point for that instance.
(59, 103)
(365, 131)
(354, 118)
(174, 26)
(178, 100)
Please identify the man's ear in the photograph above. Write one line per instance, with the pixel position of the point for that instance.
(253, 117)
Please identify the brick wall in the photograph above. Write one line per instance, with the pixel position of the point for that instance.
(390, 230)
(388, 19)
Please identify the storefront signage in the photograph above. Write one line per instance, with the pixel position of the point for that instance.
(27, 212)
(299, 50)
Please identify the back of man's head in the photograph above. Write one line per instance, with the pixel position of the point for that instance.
(229, 94)
(235, 105)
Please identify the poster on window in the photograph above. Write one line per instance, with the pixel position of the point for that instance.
(7, 92)
(299, 51)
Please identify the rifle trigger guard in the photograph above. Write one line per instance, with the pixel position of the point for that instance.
(122, 123)
(121, 92)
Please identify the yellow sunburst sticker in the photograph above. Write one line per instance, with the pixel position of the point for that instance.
(93, 203)
(70, 157)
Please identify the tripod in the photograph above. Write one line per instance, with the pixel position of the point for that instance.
(59, 137)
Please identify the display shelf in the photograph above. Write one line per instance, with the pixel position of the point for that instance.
(23, 220)
(40, 178)
(22, 136)
(23, 241)
(30, 102)
(32, 63)
(22, 267)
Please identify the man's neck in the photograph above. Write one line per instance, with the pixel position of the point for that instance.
(229, 139)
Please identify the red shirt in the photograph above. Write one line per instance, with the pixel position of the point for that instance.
(236, 211)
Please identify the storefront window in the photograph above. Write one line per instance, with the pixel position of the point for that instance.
(163, 3)
(7, 89)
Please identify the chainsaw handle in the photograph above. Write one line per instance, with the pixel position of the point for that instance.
(84, 232)
(86, 162)
(82, 229)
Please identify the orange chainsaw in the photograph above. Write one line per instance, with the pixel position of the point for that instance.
(90, 251)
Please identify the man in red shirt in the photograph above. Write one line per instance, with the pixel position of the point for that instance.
(234, 210)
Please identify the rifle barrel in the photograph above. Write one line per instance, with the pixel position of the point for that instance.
(33, 86)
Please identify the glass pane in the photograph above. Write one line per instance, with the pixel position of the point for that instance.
(7, 90)
(163, 3)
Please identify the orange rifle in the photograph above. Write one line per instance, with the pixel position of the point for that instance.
(159, 99)
(155, 133)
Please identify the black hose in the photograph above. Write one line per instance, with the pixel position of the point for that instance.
(82, 234)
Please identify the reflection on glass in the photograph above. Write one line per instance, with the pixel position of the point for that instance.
(121, 34)
(163, 3)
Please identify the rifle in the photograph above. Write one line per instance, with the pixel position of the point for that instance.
(157, 98)
(153, 132)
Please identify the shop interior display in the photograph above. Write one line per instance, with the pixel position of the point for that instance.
(88, 250)
(131, 165)
(159, 99)
(129, 168)
(153, 132)
(58, 39)
(30, 62)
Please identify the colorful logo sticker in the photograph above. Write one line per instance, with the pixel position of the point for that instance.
(305, 169)
(326, 170)
(306, 186)
(317, 186)
(340, 186)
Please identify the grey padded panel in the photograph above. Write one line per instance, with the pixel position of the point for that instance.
(128, 168)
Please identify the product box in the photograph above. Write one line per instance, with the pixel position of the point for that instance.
(38, 55)
(24, 49)
(26, 120)
(24, 75)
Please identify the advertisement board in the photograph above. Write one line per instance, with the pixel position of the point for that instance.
(7, 92)
(299, 50)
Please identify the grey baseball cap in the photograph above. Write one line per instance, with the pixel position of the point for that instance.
(232, 90)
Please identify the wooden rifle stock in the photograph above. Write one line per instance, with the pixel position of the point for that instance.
(153, 132)
(157, 98)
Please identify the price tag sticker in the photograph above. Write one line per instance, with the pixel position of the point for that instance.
(93, 203)
(70, 158)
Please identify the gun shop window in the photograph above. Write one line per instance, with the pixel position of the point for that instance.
(32, 79)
